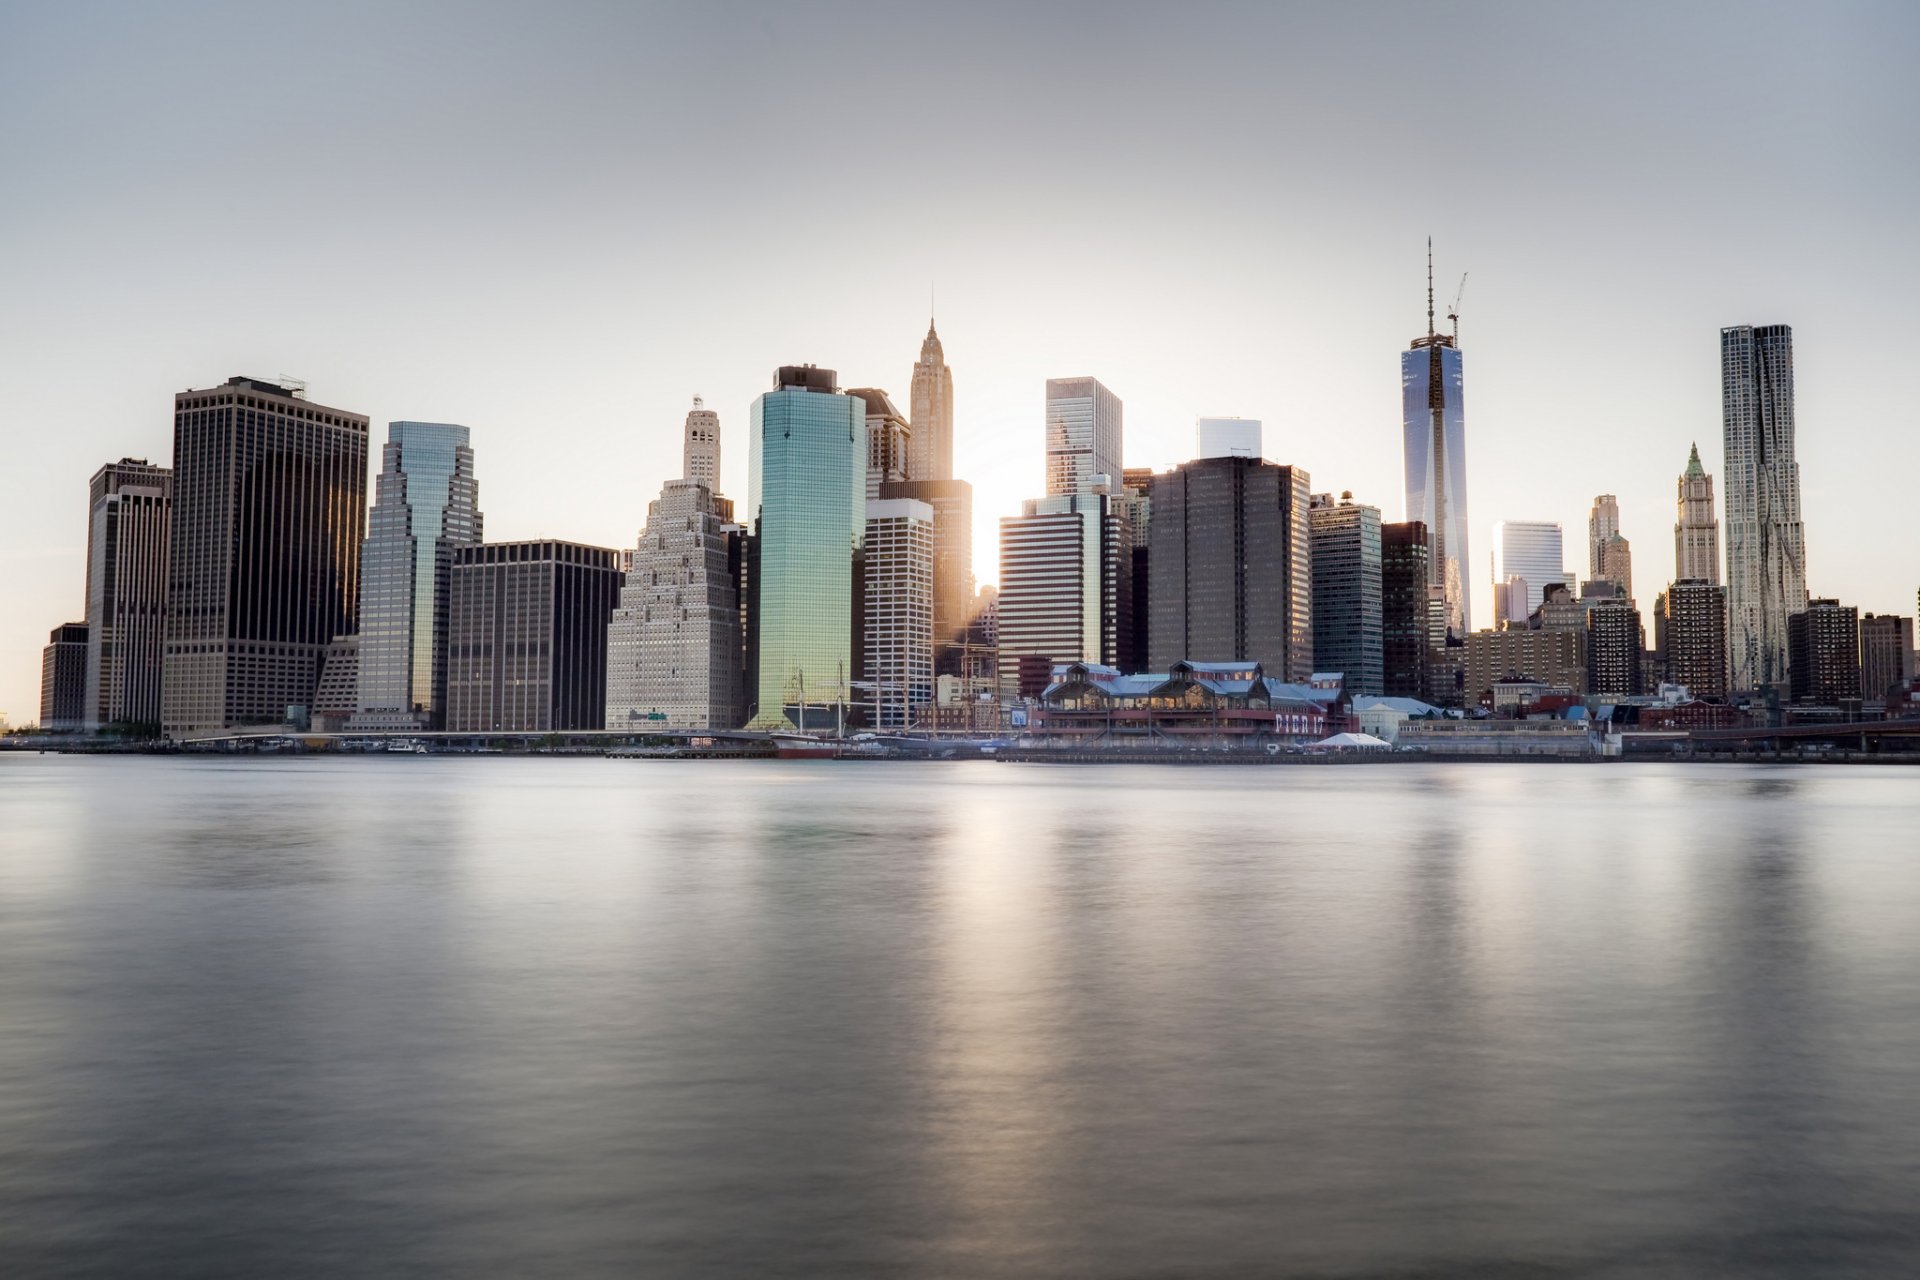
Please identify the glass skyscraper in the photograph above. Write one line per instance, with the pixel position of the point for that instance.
(426, 503)
(807, 504)
(1083, 435)
(1434, 423)
(1528, 549)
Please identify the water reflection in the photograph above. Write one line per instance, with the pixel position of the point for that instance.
(604, 1018)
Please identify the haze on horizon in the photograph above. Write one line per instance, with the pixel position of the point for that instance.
(557, 224)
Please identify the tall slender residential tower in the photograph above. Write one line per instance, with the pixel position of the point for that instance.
(1434, 425)
(930, 413)
(129, 524)
(1696, 534)
(1083, 435)
(1603, 522)
(1766, 549)
(426, 503)
(808, 471)
(269, 509)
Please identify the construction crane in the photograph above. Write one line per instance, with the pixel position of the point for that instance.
(1453, 312)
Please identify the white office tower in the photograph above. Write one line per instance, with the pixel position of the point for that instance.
(674, 644)
(898, 610)
(1083, 435)
(1227, 438)
(1766, 551)
(1529, 549)
(700, 447)
(1059, 566)
(1696, 534)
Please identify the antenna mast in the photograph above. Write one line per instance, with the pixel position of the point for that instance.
(1429, 286)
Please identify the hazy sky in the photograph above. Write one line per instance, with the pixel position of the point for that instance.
(556, 223)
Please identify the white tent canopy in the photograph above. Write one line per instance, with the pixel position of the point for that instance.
(1351, 742)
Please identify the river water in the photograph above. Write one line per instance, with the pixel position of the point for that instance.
(432, 1016)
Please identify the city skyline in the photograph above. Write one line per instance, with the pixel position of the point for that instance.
(560, 356)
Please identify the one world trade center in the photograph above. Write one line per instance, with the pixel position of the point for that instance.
(1435, 432)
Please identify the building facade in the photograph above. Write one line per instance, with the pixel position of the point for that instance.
(1603, 522)
(129, 531)
(1696, 530)
(1083, 435)
(1614, 563)
(269, 511)
(674, 643)
(1434, 432)
(700, 446)
(1530, 550)
(898, 598)
(426, 504)
(1406, 618)
(1059, 586)
(953, 582)
(930, 404)
(1557, 659)
(1886, 654)
(808, 470)
(1693, 619)
(1346, 603)
(1823, 653)
(527, 636)
(1615, 641)
(888, 438)
(1230, 567)
(63, 679)
(1227, 438)
(1766, 546)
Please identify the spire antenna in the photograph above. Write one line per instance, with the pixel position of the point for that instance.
(1429, 286)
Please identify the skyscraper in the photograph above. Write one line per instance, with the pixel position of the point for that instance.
(1696, 532)
(700, 446)
(1694, 617)
(1529, 549)
(887, 441)
(930, 406)
(897, 589)
(1434, 423)
(1230, 567)
(674, 656)
(129, 527)
(808, 473)
(1613, 562)
(63, 679)
(1615, 640)
(1345, 538)
(1083, 435)
(1823, 653)
(1058, 601)
(1766, 553)
(1133, 503)
(1603, 522)
(426, 503)
(269, 509)
(953, 585)
(1886, 654)
(1406, 620)
(527, 636)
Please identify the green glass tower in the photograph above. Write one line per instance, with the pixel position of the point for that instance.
(808, 473)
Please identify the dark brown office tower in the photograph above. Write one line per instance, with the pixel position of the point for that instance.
(1615, 641)
(63, 679)
(1886, 654)
(1823, 653)
(129, 527)
(1134, 505)
(1694, 623)
(269, 509)
(952, 503)
(1230, 575)
(527, 636)
(1405, 620)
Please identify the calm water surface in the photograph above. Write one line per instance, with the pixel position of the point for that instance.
(540, 1017)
